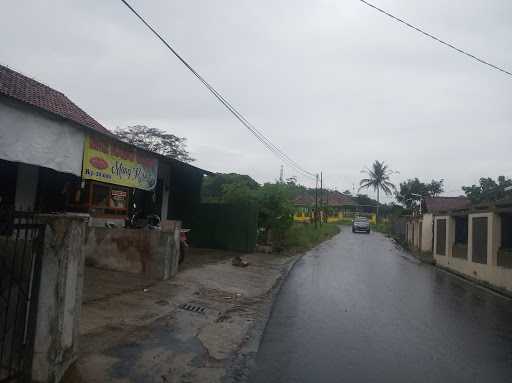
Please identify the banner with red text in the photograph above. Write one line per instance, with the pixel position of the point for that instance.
(112, 162)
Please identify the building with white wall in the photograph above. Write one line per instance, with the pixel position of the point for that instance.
(48, 161)
(483, 254)
(420, 228)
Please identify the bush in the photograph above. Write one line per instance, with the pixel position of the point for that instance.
(303, 236)
(276, 210)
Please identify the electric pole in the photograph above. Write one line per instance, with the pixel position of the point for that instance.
(321, 199)
(315, 215)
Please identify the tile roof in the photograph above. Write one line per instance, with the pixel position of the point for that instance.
(304, 200)
(330, 198)
(335, 198)
(436, 204)
(32, 92)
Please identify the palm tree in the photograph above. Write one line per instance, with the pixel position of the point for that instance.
(378, 179)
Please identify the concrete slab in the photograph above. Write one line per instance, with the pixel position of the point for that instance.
(133, 329)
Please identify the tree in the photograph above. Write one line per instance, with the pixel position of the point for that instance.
(275, 210)
(436, 188)
(222, 187)
(155, 140)
(292, 181)
(488, 189)
(366, 203)
(378, 179)
(413, 192)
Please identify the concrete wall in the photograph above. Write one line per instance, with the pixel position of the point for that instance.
(32, 136)
(414, 227)
(427, 233)
(490, 273)
(60, 298)
(153, 253)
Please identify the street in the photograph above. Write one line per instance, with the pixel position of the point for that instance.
(359, 309)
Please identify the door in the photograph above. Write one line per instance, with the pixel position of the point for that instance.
(480, 227)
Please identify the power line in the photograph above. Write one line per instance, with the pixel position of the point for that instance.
(482, 61)
(258, 134)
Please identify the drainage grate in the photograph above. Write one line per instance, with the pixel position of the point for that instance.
(193, 308)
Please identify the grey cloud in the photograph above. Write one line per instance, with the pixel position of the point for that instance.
(334, 83)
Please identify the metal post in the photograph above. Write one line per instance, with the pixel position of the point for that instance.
(322, 212)
(315, 215)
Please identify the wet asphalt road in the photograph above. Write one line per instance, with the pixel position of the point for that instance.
(358, 309)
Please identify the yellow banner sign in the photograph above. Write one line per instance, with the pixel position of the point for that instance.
(112, 162)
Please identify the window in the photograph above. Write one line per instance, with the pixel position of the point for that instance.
(106, 199)
(100, 195)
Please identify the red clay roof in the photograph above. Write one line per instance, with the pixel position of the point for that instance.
(436, 204)
(32, 92)
(304, 200)
(331, 198)
(335, 198)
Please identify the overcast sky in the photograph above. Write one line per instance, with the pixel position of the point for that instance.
(334, 83)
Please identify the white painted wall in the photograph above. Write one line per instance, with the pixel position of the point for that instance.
(491, 273)
(26, 187)
(427, 233)
(37, 138)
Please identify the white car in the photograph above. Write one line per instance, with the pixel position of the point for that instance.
(361, 225)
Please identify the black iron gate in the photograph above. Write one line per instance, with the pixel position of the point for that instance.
(21, 248)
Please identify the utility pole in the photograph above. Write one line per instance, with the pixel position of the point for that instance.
(315, 215)
(281, 174)
(321, 198)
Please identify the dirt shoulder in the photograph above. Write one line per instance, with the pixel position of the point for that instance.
(204, 325)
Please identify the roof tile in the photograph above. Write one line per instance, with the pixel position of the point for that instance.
(32, 92)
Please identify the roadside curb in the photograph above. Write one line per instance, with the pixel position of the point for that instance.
(243, 361)
(475, 282)
(429, 260)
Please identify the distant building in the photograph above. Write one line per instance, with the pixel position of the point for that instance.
(333, 205)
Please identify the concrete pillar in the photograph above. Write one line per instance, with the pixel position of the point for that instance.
(494, 239)
(60, 297)
(26, 187)
(164, 173)
(427, 233)
(450, 235)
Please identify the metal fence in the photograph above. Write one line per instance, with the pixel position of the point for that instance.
(227, 227)
(21, 249)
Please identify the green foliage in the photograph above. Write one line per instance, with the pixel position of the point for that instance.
(276, 209)
(413, 191)
(224, 188)
(488, 189)
(382, 227)
(155, 140)
(378, 179)
(367, 204)
(391, 210)
(303, 236)
(274, 201)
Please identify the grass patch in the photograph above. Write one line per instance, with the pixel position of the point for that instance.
(305, 236)
(382, 227)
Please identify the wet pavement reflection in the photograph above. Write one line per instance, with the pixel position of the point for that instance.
(359, 309)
